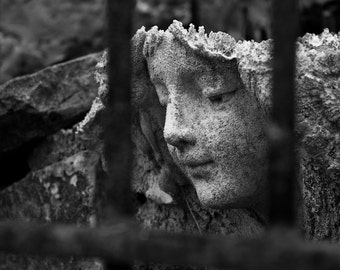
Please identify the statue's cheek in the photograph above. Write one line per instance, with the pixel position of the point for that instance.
(218, 130)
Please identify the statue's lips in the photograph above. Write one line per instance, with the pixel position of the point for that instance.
(198, 169)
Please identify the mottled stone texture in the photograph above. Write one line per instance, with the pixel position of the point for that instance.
(214, 129)
(55, 148)
(62, 184)
(167, 198)
(62, 192)
(319, 129)
(318, 126)
(40, 104)
(171, 202)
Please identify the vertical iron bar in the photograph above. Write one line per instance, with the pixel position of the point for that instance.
(195, 12)
(117, 140)
(118, 145)
(283, 163)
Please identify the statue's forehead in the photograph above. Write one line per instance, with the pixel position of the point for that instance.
(172, 57)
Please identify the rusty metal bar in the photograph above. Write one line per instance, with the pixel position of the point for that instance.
(124, 242)
(283, 163)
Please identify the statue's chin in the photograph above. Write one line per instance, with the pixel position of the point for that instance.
(225, 204)
(217, 197)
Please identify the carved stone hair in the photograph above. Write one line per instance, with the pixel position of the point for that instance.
(220, 47)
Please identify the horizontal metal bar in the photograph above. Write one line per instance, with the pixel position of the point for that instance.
(124, 242)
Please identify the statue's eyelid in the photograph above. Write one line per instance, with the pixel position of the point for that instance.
(213, 92)
(218, 95)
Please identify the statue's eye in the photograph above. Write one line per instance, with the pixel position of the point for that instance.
(217, 95)
(217, 89)
(220, 98)
(217, 98)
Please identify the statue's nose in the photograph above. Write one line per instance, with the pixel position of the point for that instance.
(178, 131)
(179, 138)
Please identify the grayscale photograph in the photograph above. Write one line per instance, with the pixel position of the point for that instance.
(169, 134)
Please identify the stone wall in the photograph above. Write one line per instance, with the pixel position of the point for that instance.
(38, 113)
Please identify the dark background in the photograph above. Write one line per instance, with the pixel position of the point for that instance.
(38, 33)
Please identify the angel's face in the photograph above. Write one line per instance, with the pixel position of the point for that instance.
(214, 128)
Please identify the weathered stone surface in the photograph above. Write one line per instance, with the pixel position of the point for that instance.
(38, 33)
(165, 203)
(55, 148)
(63, 192)
(36, 105)
(61, 186)
(167, 200)
(317, 127)
(188, 215)
(214, 129)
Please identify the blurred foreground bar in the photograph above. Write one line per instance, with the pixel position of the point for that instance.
(195, 13)
(124, 242)
(117, 140)
(283, 163)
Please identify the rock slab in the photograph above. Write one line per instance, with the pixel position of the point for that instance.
(63, 192)
(40, 104)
